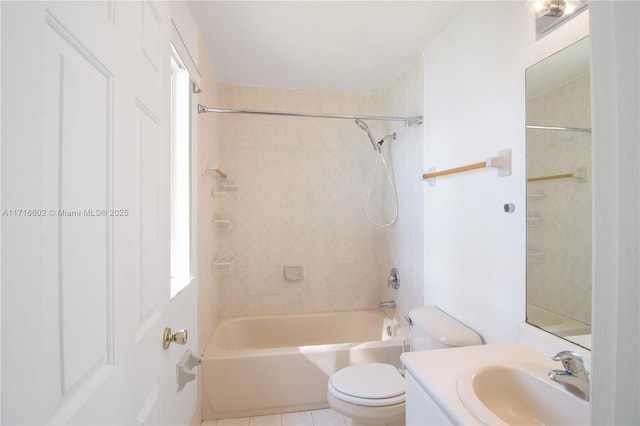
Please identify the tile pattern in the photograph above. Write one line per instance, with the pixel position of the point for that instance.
(302, 189)
(303, 185)
(325, 417)
(403, 245)
(207, 241)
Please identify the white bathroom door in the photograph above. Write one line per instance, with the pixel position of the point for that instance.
(85, 215)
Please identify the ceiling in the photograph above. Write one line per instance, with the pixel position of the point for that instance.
(345, 46)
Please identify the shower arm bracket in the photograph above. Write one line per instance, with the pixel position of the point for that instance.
(414, 121)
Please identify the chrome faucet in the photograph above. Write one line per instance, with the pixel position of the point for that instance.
(387, 304)
(573, 375)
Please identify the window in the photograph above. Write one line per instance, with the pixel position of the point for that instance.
(180, 176)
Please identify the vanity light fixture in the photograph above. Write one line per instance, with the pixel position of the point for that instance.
(558, 8)
(555, 8)
(552, 13)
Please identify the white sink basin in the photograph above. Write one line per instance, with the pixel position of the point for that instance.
(519, 394)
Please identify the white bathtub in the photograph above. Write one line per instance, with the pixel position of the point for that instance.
(272, 364)
(556, 323)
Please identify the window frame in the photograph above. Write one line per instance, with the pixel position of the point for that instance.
(186, 274)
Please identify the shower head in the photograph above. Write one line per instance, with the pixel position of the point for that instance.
(364, 127)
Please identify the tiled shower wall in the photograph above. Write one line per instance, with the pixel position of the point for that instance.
(404, 242)
(559, 211)
(207, 241)
(300, 200)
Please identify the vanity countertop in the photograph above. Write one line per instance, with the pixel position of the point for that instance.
(436, 371)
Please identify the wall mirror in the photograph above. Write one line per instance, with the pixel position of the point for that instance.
(558, 115)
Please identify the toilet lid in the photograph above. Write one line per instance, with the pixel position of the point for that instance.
(372, 381)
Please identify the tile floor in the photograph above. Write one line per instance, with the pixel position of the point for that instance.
(326, 417)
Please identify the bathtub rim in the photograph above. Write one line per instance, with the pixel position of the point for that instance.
(214, 351)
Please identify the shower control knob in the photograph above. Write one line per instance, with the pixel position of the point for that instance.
(179, 337)
(394, 279)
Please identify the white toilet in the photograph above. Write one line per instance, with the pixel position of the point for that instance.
(373, 394)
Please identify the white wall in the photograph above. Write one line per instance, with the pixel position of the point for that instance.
(0, 229)
(616, 107)
(475, 263)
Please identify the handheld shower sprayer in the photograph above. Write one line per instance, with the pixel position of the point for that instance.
(376, 145)
(362, 124)
(364, 127)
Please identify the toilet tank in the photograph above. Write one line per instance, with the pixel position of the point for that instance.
(431, 328)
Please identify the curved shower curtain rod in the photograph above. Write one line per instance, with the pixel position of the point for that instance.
(408, 121)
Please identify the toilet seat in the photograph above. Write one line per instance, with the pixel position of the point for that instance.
(372, 384)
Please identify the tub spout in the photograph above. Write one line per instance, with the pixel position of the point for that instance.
(387, 304)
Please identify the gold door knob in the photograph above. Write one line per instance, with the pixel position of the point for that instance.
(180, 337)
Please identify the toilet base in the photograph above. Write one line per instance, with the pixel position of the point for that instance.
(391, 415)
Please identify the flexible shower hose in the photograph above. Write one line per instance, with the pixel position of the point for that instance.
(392, 183)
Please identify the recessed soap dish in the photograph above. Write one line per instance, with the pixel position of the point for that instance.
(223, 225)
(229, 187)
(294, 272)
(222, 265)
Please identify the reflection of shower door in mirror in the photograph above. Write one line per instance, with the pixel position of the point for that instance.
(559, 194)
